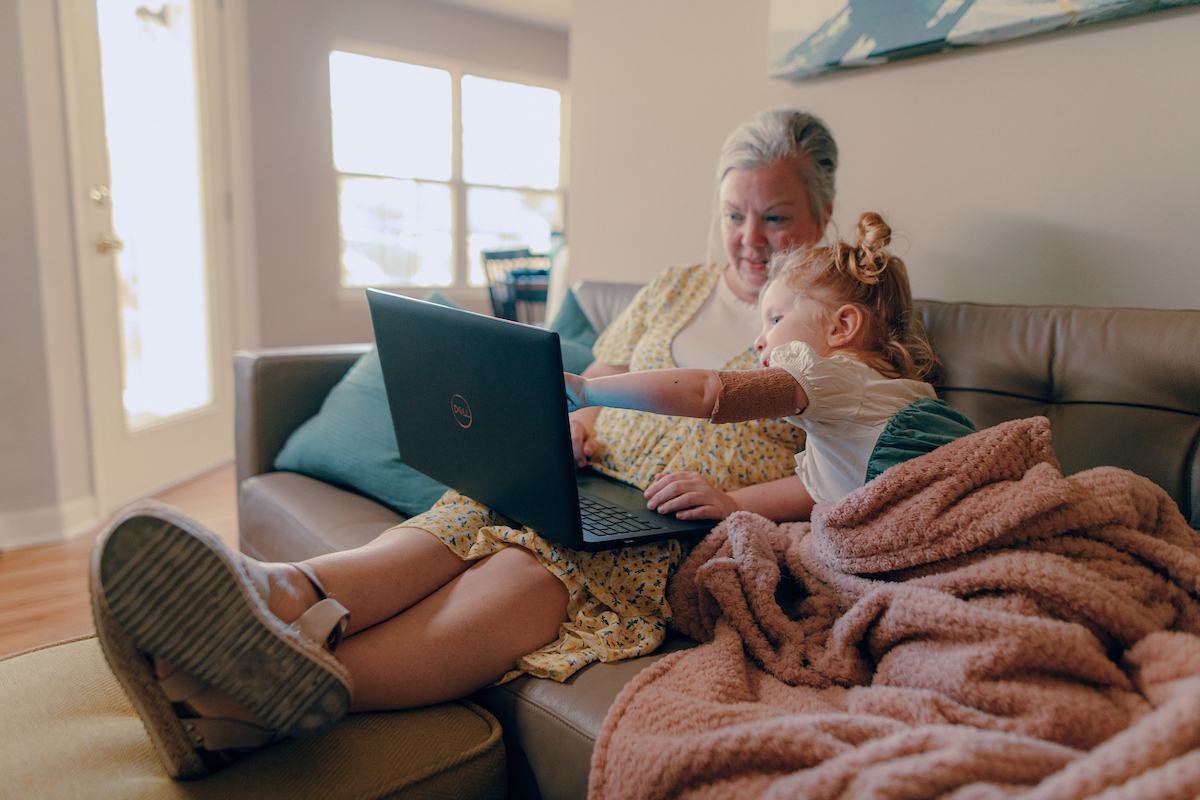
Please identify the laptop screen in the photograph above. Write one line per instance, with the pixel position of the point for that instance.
(478, 403)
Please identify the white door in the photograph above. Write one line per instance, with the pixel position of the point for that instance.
(151, 235)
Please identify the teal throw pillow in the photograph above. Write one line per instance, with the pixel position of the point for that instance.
(576, 334)
(351, 441)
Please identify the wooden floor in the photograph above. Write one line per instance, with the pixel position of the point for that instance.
(44, 590)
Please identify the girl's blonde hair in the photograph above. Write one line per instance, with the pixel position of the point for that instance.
(892, 341)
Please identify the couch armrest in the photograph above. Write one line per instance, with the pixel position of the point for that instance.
(276, 390)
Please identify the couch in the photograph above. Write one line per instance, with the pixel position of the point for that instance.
(1120, 387)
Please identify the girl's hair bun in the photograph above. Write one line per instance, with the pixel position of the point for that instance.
(872, 232)
(868, 260)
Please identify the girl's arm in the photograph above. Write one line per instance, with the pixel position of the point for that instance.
(721, 396)
(680, 392)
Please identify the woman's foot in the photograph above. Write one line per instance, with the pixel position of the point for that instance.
(290, 591)
(289, 594)
(165, 588)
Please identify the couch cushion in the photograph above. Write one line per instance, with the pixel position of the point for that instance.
(283, 516)
(69, 731)
(1119, 385)
(602, 301)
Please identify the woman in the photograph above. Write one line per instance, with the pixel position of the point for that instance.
(775, 180)
(429, 618)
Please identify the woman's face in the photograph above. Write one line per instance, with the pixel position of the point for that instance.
(763, 211)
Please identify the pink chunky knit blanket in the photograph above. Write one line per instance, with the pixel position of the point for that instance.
(970, 625)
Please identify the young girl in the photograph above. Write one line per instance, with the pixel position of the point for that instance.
(842, 358)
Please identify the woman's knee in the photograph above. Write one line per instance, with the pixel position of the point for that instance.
(521, 570)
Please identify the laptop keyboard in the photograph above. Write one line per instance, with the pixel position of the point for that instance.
(602, 520)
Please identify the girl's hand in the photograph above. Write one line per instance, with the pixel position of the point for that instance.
(576, 394)
(583, 423)
(688, 495)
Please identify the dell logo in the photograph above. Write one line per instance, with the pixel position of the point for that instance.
(460, 410)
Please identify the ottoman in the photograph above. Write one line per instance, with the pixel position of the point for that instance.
(67, 730)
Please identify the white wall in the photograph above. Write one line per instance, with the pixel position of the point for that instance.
(23, 354)
(45, 478)
(294, 180)
(1063, 169)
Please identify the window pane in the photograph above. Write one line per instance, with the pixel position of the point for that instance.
(504, 219)
(510, 133)
(395, 232)
(390, 118)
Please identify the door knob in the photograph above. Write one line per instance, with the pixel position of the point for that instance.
(106, 242)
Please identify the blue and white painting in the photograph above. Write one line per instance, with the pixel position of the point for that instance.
(815, 37)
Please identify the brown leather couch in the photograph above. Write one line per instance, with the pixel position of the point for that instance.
(1121, 387)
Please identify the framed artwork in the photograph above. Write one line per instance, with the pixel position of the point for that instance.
(816, 37)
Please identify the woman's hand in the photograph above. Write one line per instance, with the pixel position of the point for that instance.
(688, 495)
(583, 422)
(583, 435)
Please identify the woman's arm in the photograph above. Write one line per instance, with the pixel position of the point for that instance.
(689, 495)
(784, 500)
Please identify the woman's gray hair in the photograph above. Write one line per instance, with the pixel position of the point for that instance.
(785, 134)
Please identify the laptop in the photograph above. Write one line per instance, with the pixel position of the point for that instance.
(479, 404)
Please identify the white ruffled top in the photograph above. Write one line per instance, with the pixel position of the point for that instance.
(849, 405)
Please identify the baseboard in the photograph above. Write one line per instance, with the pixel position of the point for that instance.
(49, 524)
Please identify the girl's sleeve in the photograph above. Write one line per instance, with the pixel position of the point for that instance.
(835, 391)
(748, 394)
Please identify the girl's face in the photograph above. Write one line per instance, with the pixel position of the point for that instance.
(763, 211)
(790, 317)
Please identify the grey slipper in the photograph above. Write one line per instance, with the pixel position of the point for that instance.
(165, 586)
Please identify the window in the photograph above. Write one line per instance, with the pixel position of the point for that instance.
(437, 164)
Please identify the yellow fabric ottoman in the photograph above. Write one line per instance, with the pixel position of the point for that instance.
(67, 730)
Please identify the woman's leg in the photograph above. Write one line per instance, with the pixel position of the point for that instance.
(426, 626)
(375, 582)
(459, 639)
(430, 627)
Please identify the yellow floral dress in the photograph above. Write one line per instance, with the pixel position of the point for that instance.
(617, 606)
